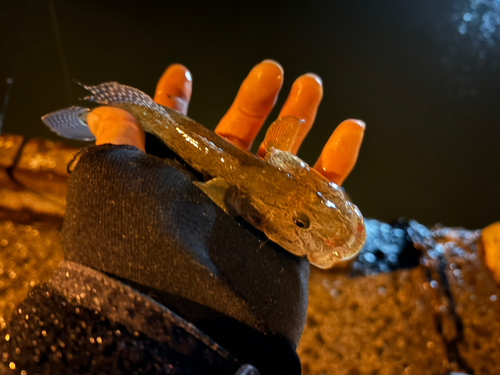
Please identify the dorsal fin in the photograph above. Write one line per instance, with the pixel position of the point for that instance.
(282, 133)
(114, 93)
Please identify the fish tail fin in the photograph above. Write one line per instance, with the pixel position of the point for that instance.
(70, 123)
(113, 93)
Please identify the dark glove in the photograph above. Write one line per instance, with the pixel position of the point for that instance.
(139, 218)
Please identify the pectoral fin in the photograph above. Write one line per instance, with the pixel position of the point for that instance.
(286, 162)
(221, 192)
(282, 133)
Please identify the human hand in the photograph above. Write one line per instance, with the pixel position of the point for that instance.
(253, 103)
(149, 224)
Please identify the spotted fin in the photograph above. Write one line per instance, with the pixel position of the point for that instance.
(114, 94)
(70, 123)
(222, 192)
(282, 133)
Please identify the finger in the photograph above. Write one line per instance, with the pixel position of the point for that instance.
(341, 151)
(302, 102)
(174, 88)
(116, 126)
(252, 104)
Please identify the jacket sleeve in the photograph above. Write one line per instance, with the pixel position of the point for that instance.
(140, 219)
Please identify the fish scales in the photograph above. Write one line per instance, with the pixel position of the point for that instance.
(291, 203)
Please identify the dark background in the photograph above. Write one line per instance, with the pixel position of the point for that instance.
(424, 75)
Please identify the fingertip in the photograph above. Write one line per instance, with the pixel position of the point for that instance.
(305, 96)
(309, 84)
(269, 70)
(314, 76)
(350, 132)
(174, 88)
(116, 126)
(352, 127)
(356, 122)
(272, 61)
(92, 119)
(341, 151)
(179, 70)
(275, 63)
(94, 116)
(96, 111)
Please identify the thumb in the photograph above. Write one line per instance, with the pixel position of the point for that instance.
(116, 126)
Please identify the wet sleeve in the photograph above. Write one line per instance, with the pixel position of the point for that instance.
(139, 219)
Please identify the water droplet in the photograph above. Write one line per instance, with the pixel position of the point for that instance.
(334, 293)
(370, 258)
(398, 233)
(493, 298)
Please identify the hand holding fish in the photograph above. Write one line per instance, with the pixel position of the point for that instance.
(298, 207)
(249, 111)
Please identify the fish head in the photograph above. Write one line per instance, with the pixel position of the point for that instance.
(315, 219)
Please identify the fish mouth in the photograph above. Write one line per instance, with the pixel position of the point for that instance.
(286, 244)
(347, 250)
(328, 258)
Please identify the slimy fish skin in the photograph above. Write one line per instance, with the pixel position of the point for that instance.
(281, 195)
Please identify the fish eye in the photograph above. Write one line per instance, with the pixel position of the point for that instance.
(301, 220)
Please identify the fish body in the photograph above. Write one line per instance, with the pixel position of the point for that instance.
(280, 195)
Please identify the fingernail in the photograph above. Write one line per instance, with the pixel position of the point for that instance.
(175, 68)
(315, 76)
(361, 123)
(273, 62)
